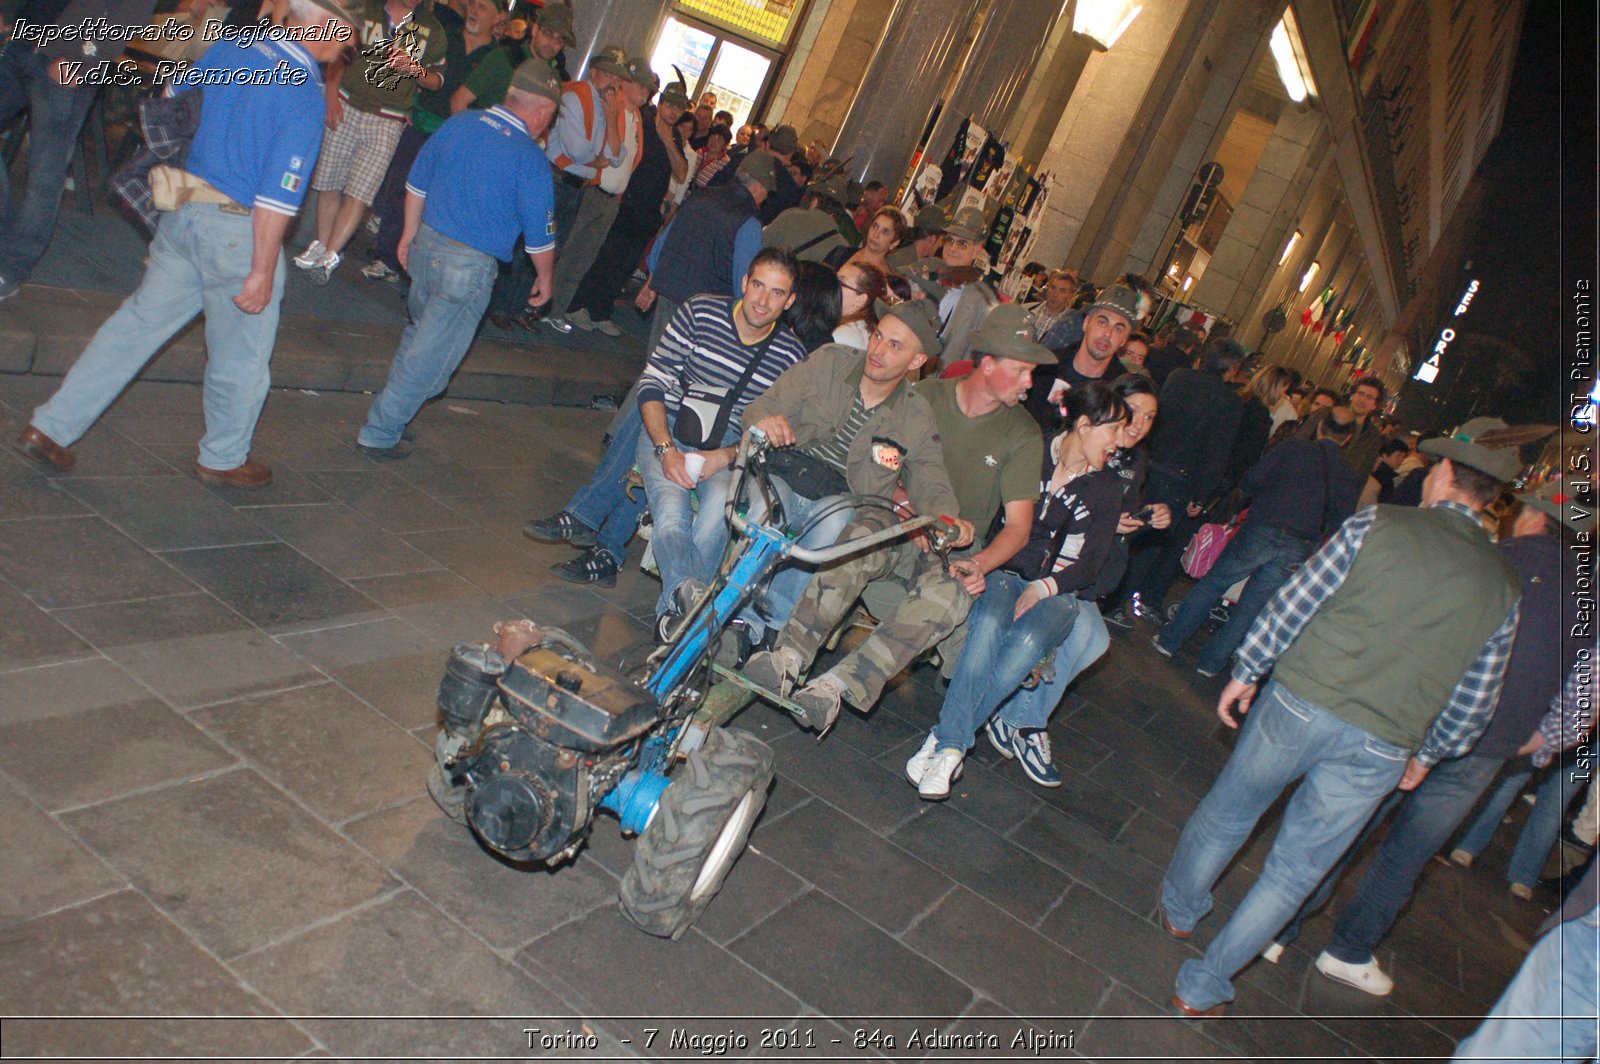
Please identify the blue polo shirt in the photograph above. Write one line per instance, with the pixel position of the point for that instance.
(485, 180)
(261, 123)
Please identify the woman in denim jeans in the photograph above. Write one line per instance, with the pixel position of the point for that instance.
(1030, 605)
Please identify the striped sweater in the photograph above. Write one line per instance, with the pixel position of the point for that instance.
(700, 345)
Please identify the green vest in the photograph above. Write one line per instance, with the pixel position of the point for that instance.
(1385, 650)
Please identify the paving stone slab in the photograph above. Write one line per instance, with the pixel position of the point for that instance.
(96, 754)
(1086, 856)
(580, 960)
(881, 882)
(1138, 953)
(117, 956)
(45, 868)
(30, 636)
(1005, 960)
(756, 888)
(341, 541)
(504, 904)
(51, 691)
(994, 867)
(199, 670)
(272, 584)
(1136, 1029)
(847, 969)
(76, 561)
(415, 589)
(323, 746)
(874, 793)
(27, 491)
(389, 501)
(400, 958)
(165, 513)
(386, 663)
(233, 861)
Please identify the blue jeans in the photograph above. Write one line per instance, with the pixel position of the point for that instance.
(55, 116)
(1547, 1013)
(198, 261)
(1081, 648)
(450, 286)
(788, 581)
(1267, 556)
(1425, 821)
(999, 654)
(1557, 788)
(603, 504)
(687, 544)
(1347, 773)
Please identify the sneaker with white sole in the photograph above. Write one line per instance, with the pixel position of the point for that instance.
(607, 329)
(1155, 641)
(1367, 978)
(1118, 618)
(1002, 736)
(1033, 754)
(560, 325)
(322, 272)
(378, 270)
(1462, 858)
(1273, 953)
(944, 768)
(917, 766)
(311, 255)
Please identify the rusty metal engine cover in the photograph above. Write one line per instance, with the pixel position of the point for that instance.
(572, 705)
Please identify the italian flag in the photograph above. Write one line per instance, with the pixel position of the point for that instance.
(1366, 20)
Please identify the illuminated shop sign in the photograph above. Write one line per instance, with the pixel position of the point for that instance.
(1429, 370)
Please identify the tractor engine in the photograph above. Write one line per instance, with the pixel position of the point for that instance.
(532, 743)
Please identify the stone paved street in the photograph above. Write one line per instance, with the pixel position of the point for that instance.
(216, 714)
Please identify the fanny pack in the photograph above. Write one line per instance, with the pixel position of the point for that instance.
(809, 477)
(172, 188)
(706, 409)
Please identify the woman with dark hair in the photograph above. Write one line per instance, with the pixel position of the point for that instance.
(817, 305)
(1031, 604)
(885, 232)
(861, 285)
(714, 156)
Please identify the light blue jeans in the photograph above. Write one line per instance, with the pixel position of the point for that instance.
(771, 608)
(999, 654)
(603, 505)
(1558, 786)
(1548, 1012)
(1081, 648)
(1347, 774)
(450, 287)
(198, 262)
(687, 544)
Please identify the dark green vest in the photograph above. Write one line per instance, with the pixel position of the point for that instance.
(1385, 650)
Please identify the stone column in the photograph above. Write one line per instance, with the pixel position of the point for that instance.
(630, 24)
(902, 81)
(996, 75)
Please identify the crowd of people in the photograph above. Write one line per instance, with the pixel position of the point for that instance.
(1396, 659)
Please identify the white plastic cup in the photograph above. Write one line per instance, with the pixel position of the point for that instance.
(694, 464)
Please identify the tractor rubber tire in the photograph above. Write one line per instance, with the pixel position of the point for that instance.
(699, 829)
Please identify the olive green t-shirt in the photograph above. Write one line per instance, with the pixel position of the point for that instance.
(491, 78)
(992, 460)
(384, 92)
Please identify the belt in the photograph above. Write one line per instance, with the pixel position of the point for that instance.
(570, 180)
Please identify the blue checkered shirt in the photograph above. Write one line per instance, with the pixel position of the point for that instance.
(1571, 717)
(1476, 694)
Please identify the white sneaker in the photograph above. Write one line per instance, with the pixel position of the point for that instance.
(374, 224)
(917, 767)
(1273, 953)
(943, 770)
(311, 255)
(322, 271)
(1461, 857)
(1368, 977)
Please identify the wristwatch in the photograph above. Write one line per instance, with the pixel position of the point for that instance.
(662, 448)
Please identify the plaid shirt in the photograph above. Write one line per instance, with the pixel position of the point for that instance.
(1571, 717)
(1472, 701)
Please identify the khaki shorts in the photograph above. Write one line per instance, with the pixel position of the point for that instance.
(355, 157)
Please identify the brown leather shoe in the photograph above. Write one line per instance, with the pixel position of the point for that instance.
(1198, 1014)
(1167, 925)
(252, 474)
(42, 448)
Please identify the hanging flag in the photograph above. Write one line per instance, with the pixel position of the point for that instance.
(1360, 35)
(1330, 315)
(1319, 305)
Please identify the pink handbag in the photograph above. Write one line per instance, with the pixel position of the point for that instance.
(1207, 546)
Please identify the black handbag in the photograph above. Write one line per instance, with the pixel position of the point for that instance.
(809, 477)
(705, 409)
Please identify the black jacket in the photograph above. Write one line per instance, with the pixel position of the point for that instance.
(1194, 435)
(698, 254)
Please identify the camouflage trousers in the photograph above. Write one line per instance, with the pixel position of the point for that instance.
(934, 605)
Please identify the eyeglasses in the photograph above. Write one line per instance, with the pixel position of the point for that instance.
(850, 287)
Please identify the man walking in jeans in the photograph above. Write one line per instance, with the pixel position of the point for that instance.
(474, 186)
(1348, 705)
(1299, 491)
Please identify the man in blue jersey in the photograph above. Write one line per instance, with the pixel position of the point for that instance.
(220, 251)
(477, 183)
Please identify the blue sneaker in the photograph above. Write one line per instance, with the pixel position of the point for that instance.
(1033, 751)
(1002, 736)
